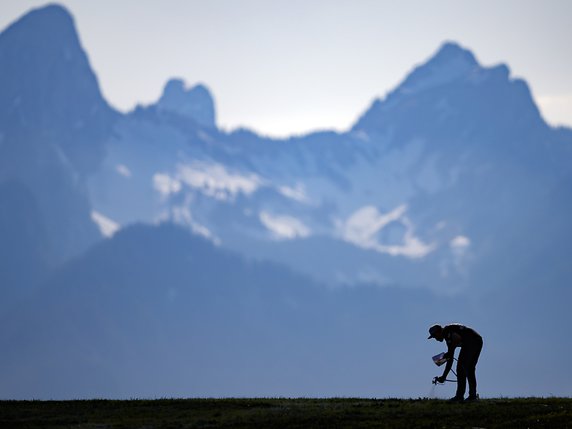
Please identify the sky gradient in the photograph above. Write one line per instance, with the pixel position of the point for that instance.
(284, 68)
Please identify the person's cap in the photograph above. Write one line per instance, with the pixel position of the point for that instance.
(433, 330)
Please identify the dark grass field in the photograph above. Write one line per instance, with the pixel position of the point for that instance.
(288, 413)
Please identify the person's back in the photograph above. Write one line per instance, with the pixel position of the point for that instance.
(467, 334)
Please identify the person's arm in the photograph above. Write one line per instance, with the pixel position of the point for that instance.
(449, 355)
(452, 342)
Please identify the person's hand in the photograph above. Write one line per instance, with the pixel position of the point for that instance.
(440, 379)
(448, 355)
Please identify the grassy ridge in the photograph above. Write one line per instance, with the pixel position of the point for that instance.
(287, 413)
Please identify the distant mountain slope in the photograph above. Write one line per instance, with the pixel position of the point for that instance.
(25, 252)
(157, 312)
(154, 296)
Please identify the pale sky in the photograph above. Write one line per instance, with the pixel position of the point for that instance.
(289, 67)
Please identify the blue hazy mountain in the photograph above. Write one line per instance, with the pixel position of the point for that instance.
(25, 252)
(53, 123)
(433, 177)
(245, 265)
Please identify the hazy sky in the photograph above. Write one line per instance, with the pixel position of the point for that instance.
(285, 67)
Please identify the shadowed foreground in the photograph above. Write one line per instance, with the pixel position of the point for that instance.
(287, 413)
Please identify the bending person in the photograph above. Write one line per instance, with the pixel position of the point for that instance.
(471, 343)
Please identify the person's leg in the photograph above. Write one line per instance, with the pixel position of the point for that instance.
(461, 375)
(471, 366)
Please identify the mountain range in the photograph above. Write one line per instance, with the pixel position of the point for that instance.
(152, 253)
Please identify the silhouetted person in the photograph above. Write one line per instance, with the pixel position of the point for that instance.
(471, 343)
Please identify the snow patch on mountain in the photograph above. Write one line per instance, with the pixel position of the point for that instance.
(215, 180)
(460, 246)
(123, 170)
(364, 225)
(181, 214)
(106, 226)
(461, 256)
(284, 226)
(460, 242)
(165, 184)
(296, 193)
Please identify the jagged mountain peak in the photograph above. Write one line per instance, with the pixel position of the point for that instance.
(451, 62)
(196, 103)
(48, 85)
(452, 51)
(452, 91)
(47, 64)
(44, 26)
